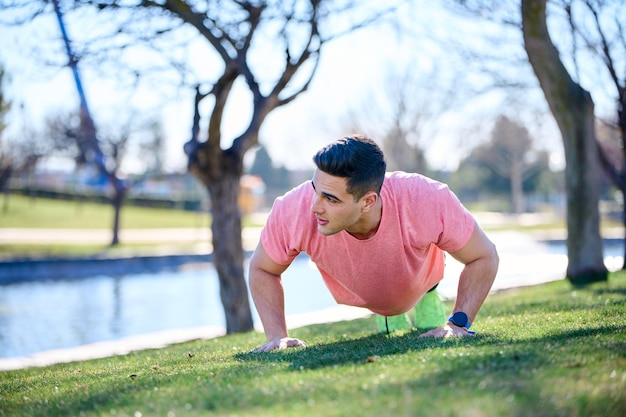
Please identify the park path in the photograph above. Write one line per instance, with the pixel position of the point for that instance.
(163, 236)
(198, 235)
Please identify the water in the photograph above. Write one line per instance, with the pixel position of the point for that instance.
(55, 314)
(40, 316)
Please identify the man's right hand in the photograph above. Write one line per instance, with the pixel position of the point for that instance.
(280, 343)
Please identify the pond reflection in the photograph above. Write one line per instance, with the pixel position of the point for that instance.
(53, 314)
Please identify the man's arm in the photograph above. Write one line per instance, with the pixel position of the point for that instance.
(267, 293)
(480, 258)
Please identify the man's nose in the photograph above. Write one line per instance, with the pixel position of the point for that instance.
(315, 206)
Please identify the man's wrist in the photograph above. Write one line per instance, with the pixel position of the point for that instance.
(276, 336)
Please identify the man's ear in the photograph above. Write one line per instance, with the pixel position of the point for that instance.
(369, 200)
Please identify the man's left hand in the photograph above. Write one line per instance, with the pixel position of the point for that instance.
(449, 330)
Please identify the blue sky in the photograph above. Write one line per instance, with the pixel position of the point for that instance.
(352, 70)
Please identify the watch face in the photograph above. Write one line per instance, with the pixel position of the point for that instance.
(460, 319)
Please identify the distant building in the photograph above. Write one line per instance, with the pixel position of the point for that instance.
(252, 195)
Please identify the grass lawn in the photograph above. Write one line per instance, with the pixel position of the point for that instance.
(26, 212)
(549, 350)
(42, 213)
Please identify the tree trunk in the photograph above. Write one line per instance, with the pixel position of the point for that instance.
(5, 176)
(621, 185)
(228, 252)
(618, 177)
(119, 194)
(624, 223)
(573, 110)
(517, 190)
(584, 243)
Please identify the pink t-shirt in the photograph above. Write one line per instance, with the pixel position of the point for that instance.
(391, 271)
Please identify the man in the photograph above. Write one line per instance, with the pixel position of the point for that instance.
(377, 238)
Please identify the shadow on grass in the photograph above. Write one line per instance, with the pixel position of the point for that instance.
(580, 299)
(349, 351)
(609, 291)
(527, 375)
(358, 350)
(518, 373)
(363, 349)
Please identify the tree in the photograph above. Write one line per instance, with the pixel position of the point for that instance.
(17, 156)
(220, 169)
(474, 182)
(86, 136)
(400, 154)
(510, 155)
(276, 179)
(266, 51)
(483, 177)
(5, 163)
(20, 155)
(404, 114)
(298, 27)
(153, 148)
(604, 40)
(573, 109)
(5, 105)
(66, 132)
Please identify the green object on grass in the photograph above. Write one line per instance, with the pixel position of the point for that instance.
(430, 312)
(393, 323)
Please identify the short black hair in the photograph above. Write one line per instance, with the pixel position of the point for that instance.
(357, 158)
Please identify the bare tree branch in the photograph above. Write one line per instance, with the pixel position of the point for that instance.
(605, 47)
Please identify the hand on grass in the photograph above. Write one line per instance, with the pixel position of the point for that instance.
(280, 343)
(449, 330)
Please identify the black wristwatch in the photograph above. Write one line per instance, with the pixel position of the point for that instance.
(460, 319)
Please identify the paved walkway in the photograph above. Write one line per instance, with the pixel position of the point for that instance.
(167, 237)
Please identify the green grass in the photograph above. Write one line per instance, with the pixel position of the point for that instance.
(26, 212)
(550, 350)
(42, 213)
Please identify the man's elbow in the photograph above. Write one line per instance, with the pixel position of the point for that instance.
(260, 277)
(494, 257)
(255, 277)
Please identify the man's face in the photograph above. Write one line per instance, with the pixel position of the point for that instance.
(333, 207)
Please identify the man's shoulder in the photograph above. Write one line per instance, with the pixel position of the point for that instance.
(398, 180)
(295, 199)
(413, 189)
(297, 193)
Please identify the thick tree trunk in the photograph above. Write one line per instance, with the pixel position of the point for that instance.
(584, 243)
(228, 252)
(573, 110)
(220, 172)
